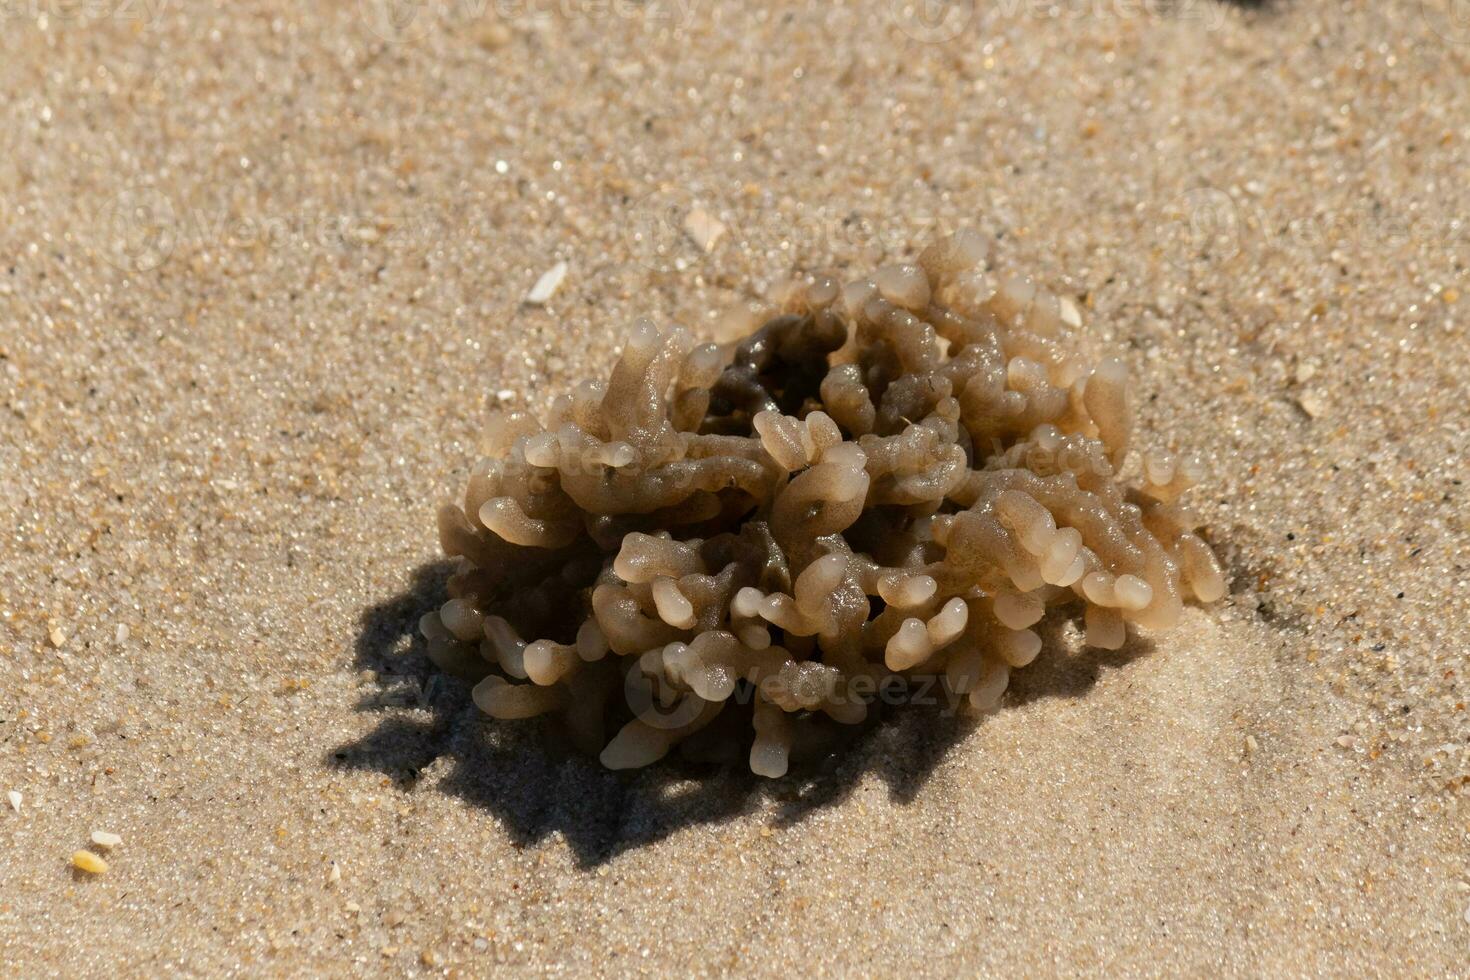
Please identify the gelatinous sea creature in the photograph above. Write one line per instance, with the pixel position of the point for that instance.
(742, 544)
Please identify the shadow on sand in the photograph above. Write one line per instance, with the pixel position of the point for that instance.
(527, 776)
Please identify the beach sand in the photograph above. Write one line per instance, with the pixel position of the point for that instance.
(263, 263)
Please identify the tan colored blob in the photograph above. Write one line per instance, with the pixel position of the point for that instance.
(732, 548)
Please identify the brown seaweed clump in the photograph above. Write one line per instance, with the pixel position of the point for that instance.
(891, 479)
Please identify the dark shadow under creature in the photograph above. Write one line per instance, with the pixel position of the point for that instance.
(536, 785)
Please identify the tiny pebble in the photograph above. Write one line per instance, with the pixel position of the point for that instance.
(88, 862)
(122, 633)
(16, 799)
(1347, 741)
(57, 637)
(1313, 404)
(335, 875)
(494, 37)
(103, 839)
(547, 284)
(703, 229)
(1071, 316)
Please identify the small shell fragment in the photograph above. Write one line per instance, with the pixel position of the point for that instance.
(547, 285)
(104, 839)
(703, 229)
(16, 799)
(1071, 316)
(1313, 404)
(88, 862)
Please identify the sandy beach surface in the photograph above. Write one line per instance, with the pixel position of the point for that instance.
(261, 264)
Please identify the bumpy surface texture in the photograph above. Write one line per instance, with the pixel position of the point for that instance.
(896, 477)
